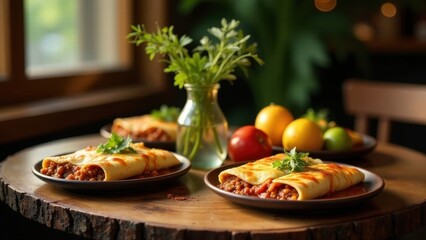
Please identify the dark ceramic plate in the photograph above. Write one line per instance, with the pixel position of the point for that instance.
(116, 185)
(171, 146)
(370, 187)
(341, 156)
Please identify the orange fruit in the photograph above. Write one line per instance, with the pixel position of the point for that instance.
(273, 120)
(304, 134)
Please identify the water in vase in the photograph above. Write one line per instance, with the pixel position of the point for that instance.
(206, 149)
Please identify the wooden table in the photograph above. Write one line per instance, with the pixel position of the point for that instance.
(152, 214)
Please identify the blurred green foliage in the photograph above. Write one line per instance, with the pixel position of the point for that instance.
(294, 41)
(50, 21)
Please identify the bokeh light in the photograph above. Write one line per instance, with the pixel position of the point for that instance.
(363, 31)
(388, 9)
(325, 5)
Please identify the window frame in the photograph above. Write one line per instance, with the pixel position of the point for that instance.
(31, 108)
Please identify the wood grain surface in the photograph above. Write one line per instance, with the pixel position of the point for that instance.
(187, 209)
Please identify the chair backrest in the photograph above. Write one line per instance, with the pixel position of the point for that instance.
(386, 102)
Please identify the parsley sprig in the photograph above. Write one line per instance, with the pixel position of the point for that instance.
(293, 162)
(116, 144)
(166, 113)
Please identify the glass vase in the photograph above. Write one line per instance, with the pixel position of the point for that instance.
(202, 128)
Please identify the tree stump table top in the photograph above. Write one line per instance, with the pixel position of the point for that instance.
(187, 209)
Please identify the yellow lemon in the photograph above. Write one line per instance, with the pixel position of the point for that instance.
(304, 134)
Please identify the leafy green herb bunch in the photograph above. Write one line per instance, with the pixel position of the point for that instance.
(209, 63)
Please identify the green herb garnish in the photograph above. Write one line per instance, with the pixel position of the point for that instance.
(166, 113)
(293, 162)
(116, 144)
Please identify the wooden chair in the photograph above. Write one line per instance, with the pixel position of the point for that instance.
(385, 102)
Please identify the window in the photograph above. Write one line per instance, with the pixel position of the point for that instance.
(51, 41)
(63, 36)
(65, 58)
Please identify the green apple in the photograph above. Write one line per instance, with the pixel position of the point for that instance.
(337, 139)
